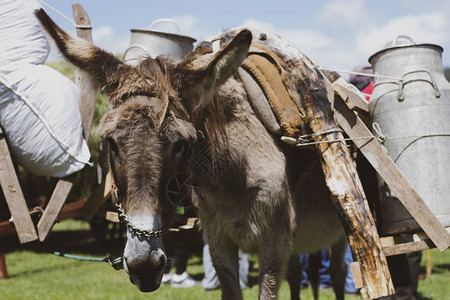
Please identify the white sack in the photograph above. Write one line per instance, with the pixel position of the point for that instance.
(39, 111)
(21, 37)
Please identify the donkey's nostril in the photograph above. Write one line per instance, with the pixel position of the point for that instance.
(162, 261)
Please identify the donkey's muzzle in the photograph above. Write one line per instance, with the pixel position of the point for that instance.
(146, 275)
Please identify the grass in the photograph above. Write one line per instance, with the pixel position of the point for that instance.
(35, 274)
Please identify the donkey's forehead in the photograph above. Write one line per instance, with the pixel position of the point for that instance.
(151, 77)
(139, 112)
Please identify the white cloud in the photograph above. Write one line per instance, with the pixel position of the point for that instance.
(193, 27)
(426, 28)
(344, 13)
(186, 23)
(105, 38)
(306, 40)
(421, 6)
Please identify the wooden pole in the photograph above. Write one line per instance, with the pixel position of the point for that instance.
(429, 266)
(344, 184)
(14, 196)
(84, 80)
(54, 206)
(3, 266)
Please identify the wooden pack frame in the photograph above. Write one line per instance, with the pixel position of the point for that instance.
(345, 103)
(21, 218)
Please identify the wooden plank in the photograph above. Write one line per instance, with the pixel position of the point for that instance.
(429, 266)
(54, 206)
(387, 241)
(84, 80)
(72, 210)
(6, 227)
(394, 245)
(99, 196)
(408, 247)
(14, 195)
(3, 269)
(421, 236)
(112, 216)
(352, 99)
(357, 276)
(383, 164)
(94, 202)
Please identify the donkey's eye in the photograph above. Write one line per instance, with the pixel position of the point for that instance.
(178, 148)
(115, 151)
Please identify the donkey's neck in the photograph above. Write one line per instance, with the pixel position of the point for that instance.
(223, 161)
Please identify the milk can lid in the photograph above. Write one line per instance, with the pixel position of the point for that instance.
(403, 41)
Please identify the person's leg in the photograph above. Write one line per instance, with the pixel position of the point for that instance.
(167, 277)
(304, 264)
(243, 269)
(210, 281)
(181, 258)
(349, 283)
(181, 278)
(324, 270)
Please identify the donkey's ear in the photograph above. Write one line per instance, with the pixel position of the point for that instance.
(101, 64)
(199, 81)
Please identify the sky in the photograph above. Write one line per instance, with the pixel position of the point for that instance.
(336, 34)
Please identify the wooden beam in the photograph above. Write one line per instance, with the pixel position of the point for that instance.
(394, 245)
(343, 182)
(408, 247)
(3, 269)
(6, 227)
(112, 216)
(84, 80)
(54, 206)
(72, 210)
(14, 195)
(353, 100)
(98, 197)
(88, 90)
(356, 272)
(383, 164)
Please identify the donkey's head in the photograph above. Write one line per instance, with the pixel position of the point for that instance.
(149, 131)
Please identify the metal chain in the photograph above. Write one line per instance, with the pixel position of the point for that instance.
(136, 231)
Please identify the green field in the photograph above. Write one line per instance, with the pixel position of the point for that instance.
(35, 274)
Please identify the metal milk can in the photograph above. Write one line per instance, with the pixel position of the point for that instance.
(152, 43)
(411, 103)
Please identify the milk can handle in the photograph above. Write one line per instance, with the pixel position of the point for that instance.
(135, 46)
(406, 37)
(161, 20)
(401, 83)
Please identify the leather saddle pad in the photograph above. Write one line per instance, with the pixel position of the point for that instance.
(262, 76)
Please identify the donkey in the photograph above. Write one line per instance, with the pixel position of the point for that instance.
(255, 192)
